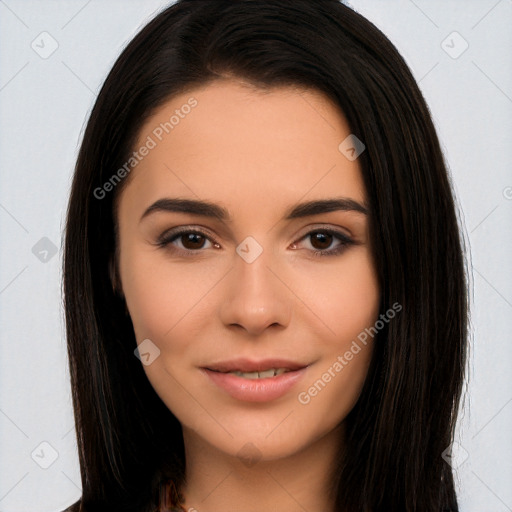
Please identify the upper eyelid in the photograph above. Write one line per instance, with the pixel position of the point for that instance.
(325, 227)
(186, 229)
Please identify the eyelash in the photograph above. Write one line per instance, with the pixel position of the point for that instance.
(167, 238)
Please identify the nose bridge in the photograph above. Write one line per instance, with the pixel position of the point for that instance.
(252, 270)
(256, 298)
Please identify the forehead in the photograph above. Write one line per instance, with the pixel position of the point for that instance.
(230, 142)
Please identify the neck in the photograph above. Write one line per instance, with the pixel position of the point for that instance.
(219, 482)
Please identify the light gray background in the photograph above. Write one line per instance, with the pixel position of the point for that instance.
(44, 105)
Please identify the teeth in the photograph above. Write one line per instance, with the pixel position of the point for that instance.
(272, 372)
(249, 375)
(267, 373)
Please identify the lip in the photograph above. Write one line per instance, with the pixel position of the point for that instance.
(255, 390)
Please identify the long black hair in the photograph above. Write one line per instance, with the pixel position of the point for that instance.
(130, 444)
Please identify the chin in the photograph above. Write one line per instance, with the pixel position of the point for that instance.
(253, 436)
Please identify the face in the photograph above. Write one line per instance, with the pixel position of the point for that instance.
(225, 295)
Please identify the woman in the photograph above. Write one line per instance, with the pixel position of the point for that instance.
(217, 363)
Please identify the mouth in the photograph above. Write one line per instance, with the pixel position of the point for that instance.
(255, 381)
(264, 374)
(250, 369)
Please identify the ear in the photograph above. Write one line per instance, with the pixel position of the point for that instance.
(114, 276)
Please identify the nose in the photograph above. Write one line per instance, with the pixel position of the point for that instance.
(255, 297)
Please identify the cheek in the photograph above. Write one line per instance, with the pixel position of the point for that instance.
(148, 299)
(345, 297)
(160, 295)
(359, 302)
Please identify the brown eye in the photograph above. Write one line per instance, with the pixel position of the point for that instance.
(192, 240)
(186, 242)
(321, 240)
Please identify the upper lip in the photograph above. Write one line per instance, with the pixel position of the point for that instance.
(248, 365)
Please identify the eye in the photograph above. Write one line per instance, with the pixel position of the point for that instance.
(323, 238)
(192, 240)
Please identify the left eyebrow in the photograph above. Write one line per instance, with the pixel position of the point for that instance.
(325, 206)
(212, 210)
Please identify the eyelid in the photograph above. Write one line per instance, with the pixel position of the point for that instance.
(335, 230)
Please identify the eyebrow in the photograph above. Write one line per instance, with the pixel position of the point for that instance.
(215, 211)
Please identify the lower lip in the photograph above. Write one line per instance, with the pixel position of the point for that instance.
(256, 390)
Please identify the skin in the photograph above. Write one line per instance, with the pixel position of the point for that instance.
(256, 153)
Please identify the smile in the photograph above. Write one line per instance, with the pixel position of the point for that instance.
(255, 381)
